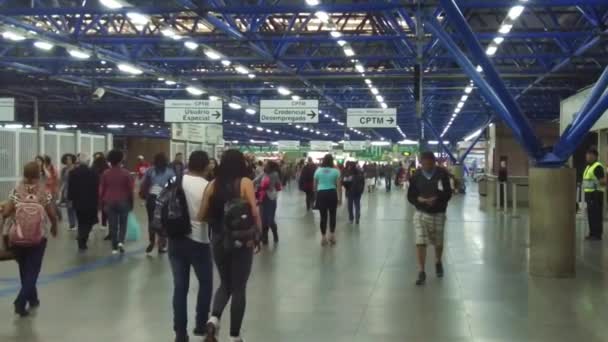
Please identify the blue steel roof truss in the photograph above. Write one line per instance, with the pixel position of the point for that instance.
(553, 50)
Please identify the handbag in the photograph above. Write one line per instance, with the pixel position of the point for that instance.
(133, 228)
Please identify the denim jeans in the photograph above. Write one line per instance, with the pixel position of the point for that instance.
(183, 254)
(29, 260)
(354, 206)
(150, 207)
(118, 213)
(269, 210)
(71, 215)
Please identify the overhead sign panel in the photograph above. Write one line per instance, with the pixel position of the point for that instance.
(288, 145)
(371, 117)
(193, 111)
(288, 111)
(355, 145)
(7, 109)
(321, 145)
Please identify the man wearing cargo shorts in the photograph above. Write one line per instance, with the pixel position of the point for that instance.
(429, 192)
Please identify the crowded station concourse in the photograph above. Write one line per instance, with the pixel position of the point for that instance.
(303, 170)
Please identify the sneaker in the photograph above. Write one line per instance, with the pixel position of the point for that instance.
(200, 330)
(332, 239)
(22, 312)
(212, 329)
(421, 279)
(162, 250)
(115, 251)
(439, 269)
(324, 241)
(35, 304)
(357, 222)
(150, 248)
(121, 248)
(72, 228)
(236, 339)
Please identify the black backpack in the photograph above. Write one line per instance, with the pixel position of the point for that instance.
(238, 224)
(171, 216)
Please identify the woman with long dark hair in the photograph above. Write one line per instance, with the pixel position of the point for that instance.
(329, 197)
(68, 161)
(99, 166)
(353, 181)
(233, 258)
(154, 181)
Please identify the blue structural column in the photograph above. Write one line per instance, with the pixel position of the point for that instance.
(512, 115)
(440, 142)
(595, 106)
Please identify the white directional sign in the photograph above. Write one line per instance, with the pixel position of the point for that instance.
(288, 145)
(371, 117)
(193, 111)
(7, 109)
(355, 145)
(288, 111)
(321, 145)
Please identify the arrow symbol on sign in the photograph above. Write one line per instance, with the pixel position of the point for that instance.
(216, 115)
(390, 120)
(312, 114)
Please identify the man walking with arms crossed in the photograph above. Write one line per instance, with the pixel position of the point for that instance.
(429, 192)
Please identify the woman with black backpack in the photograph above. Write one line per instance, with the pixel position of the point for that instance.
(229, 206)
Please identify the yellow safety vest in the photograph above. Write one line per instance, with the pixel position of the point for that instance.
(590, 181)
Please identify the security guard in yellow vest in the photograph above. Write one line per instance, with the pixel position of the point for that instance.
(594, 183)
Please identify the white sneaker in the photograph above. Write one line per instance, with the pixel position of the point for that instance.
(115, 251)
(236, 339)
(121, 247)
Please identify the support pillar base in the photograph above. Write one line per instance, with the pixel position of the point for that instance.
(552, 222)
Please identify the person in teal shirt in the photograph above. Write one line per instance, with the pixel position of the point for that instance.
(329, 197)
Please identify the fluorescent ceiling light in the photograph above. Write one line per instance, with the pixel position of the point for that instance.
(257, 141)
(283, 91)
(368, 81)
(499, 40)
(13, 126)
(349, 51)
(138, 18)
(457, 110)
(195, 91)
(468, 90)
(305, 129)
(260, 129)
(479, 68)
(234, 105)
(129, 69)
(298, 126)
(235, 141)
(113, 4)
(251, 76)
(491, 51)
(473, 135)
(408, 142)
(277, 132)
(160, 79)
(12, 36)
(375, 91)
(435, 142)
(379, 98)
(312, 2)
(226, 62)
(383, 105)
(296, 98)
(335, 34)
(341, 42)
(79, 54)
(241, 69)
(380, 143)
(212, 54)
(359, 68)
(191, 45)
(250, 111)
(213, 98)
(169, 82)
(464, 98)
(43, 45)
(505, 28)
(515, 12)
(113, 126)
(323, 16)
(460, 105)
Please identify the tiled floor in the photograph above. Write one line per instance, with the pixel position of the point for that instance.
(361, 290)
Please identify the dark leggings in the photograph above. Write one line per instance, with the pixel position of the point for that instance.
(150, 207)
(327, 203)
(234, 267)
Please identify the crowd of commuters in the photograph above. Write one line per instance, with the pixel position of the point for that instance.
(212, 192)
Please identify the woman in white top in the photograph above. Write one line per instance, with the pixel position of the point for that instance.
(192, 251)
